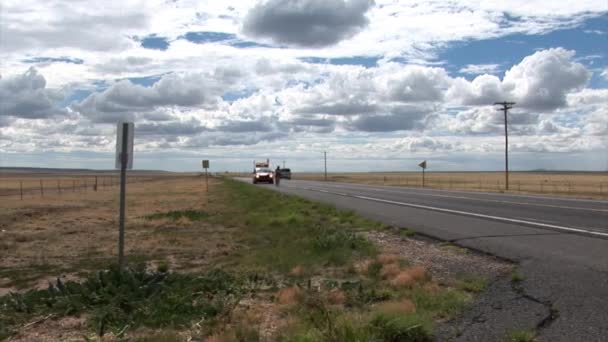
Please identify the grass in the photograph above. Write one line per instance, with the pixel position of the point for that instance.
(521, 335)
(284, 231)
(472, 283)
(516, 276)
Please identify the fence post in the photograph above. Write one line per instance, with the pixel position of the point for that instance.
(73, 185)
(21, 188)
(59, 187)
(41, 189)
(85, 185)
(95, 186)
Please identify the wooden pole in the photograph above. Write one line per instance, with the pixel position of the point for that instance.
(41, 189)
(124, 158)
(58, 187)
(21, 188)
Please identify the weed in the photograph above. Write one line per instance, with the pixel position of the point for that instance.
(443, 304)
(396, 326)
(453, 248)
(521, 335)
(472, 283)
(516, 276)
(406, 233)
(374, 269)
(117, 300)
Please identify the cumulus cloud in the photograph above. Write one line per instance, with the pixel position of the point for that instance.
(311, 23)
(413, 83)
(539, 82)
(26, 96)
(123, 98)
(542, 81)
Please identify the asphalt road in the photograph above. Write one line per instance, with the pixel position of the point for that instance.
(560, 244)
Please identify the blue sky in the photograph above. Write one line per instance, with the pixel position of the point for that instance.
(392, 84)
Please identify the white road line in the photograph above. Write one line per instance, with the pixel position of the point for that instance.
(467, 213)
(554, 198)
(487, 200)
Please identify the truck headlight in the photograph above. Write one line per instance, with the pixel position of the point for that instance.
(271, 175)
(257, 176)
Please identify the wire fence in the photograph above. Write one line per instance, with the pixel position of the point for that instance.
(31, 186)
(560, 184)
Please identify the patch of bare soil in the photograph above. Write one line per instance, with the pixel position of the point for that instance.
(48, 329)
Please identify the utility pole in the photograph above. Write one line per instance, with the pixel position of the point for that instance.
(505, 108)
(325, 157)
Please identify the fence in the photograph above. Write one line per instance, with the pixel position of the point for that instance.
(575, 184)
(45, 186)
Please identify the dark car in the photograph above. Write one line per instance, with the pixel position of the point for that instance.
(285, 173)
(263, 175)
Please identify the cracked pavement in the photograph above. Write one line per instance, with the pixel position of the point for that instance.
(561, 246)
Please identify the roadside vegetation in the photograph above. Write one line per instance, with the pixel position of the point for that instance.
(276, 267)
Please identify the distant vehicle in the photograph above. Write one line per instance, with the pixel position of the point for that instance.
(286, 173)
(263, 175)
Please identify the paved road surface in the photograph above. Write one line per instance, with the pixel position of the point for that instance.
(561, 245)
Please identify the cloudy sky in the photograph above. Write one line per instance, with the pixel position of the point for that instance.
(379, 85)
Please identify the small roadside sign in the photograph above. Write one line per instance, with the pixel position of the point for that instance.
(119, 140)
(205, 164)
(423, 164)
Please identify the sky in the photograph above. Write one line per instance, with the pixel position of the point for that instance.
(379, 85)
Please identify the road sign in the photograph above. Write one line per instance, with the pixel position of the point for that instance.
(119, 140)
(205, 164)
(423, 164)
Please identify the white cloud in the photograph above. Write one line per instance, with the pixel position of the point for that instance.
(540, 82)
(26, 96)
(477, 69)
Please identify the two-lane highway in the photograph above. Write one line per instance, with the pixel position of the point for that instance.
(560, 243)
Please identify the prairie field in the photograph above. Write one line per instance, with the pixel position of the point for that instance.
(577, 184)
(221, 265)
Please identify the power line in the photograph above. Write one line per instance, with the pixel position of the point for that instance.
(505, 108)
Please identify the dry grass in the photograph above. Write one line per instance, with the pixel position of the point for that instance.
(580, 184)
(404, 306)
(78, 231)
(289, 295)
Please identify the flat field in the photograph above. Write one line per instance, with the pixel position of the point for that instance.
(237, 263)
(578, 184)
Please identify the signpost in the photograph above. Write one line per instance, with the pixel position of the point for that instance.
(206, 166)
(423, 166)
(124, 161)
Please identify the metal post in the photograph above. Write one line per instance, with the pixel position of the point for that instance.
(325, 158)
(95, 186)
(124, 158)
(206, 180)
(423, 177)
